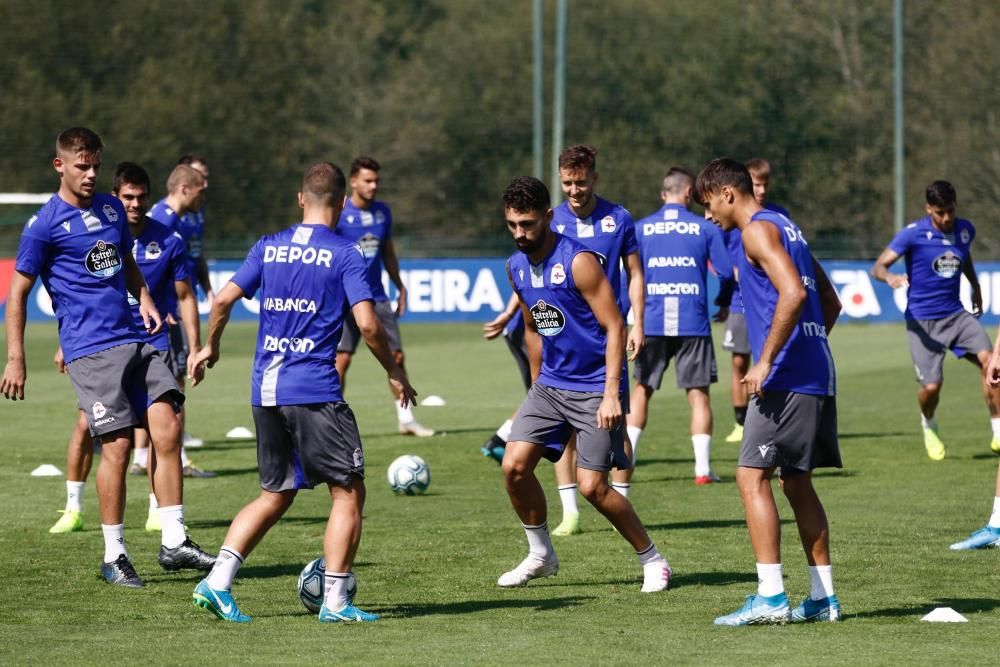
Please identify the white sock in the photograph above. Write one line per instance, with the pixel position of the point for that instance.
(504, 431)
(634, 433)
(114, 542)
(995, 423)
(335, 590)
(404, 415)
(539, 542)
(153, 505)
(74, 496)
(769, 581)
(650, 555)
(926, 422)
(822, 581)
(185, 461)
(172, 526)
(225, 569)
(567, 496)
(621, 487)
(702, 443)
(141, 456)
(995, 517)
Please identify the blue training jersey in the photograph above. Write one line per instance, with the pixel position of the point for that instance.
(169, 218)
(305, 274)
(734, 246)
(78, 255)
(804, 365)
(162, 259)
(369, 228)
(676, 246)
(191, 228)
(573, 343)
(933, 266)
(609, 233)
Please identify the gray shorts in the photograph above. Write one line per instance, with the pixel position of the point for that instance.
(931, 339)
(736, 339)
(387, 318)
(114, 387)
(796, 432)
(178, 349)
(300, 446)
(695, 361)
(549, 415)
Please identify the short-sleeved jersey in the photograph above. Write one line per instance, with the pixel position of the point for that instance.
(78, 254)
(306, 274)
(169, 218)
(734, 246)
(573, 343)
(804, 365)
(934, 263)
(162, 259)
(191, 228)
(368, 228)
(609, 233)
(676, 246)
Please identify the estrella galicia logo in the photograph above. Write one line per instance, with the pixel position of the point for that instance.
(549, 320)
(103, 260)
(947, 264)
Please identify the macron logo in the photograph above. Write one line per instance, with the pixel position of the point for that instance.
(763, 450)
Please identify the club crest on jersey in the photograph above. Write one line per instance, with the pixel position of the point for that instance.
(379, 218)
(153, 250)
(103, 260)
(110, 213)
(584, 229)
(98, 410)
(558, 275)
(608, 224)
(549, 320)
(947, 264)
(964, 235)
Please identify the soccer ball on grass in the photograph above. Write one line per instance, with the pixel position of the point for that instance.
(409, 475)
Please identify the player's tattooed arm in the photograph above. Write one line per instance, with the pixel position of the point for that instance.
(880, 270)
(15, 373)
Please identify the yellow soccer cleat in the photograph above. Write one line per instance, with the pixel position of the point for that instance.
(736, 435)
(71, 521)
(570, 526)
(995, 446)
(935, 448)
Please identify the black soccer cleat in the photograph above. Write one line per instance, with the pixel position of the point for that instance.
(121, 573)
(186, 556)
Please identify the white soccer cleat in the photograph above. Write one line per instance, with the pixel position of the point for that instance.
(530, 568)
(656, 577)
(415, 428)
(191, 441)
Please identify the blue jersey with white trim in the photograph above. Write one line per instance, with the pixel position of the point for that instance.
(676, 246)
(161, 257)
(804, 365)
(191, 228)
(609, 233)
(934, 263)
(78, 255)
(306, 275)
(369, 228)
(573, 343)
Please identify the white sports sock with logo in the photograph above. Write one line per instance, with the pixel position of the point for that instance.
(702, 443)
(74, 496)
(822, 581)
(172, 526)
(567, 496)
(634, 433)
(539, 542)
(114, 542)
(226, 566)
(995, 517)
(504, 431)
(404, 415)
(769, 581)
(335, 590)
(621, 487)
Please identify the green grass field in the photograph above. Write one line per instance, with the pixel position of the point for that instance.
(429, 564)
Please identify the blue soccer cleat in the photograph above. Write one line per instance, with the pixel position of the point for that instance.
(219, 602)
(981, 539)
(349, 614)
(827, 609)
(759, 610)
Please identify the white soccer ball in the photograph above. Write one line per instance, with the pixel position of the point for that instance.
(312, 585)
(409, 475)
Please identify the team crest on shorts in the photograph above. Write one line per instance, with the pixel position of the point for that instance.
(103, 260)
(947, 264)
(359, 458)
(558, 275)
(549, 320)
(98, 410)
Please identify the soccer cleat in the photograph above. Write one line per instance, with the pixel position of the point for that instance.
(415, 428)
(71, 521)
(138, 470)
(186, 556)
(933, 444)
(981, 539)
(153, 521)
(219, 602)
(121, 573)
(191, 470)
(530, 568)
(736, 435)
(191, 441)
(494, 448)
(995, 446)
(759, 610)
(349, 614)
(570, 525)
(827, 609)
(656, 577)
(710, 478)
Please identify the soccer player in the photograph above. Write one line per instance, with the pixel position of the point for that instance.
(567, 301)
(792, 418)
(185, 191)
(938, 252)
(606, 229)
(368, 223)
(676, 247)
(160, 256)
(80, 246)
(306, 433)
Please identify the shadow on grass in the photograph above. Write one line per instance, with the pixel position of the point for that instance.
(706, 523)
(885, 434)
(691, 579)
(991, 456)
(474, 606)
(961, 605)
(232, 472)
(224, 523)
